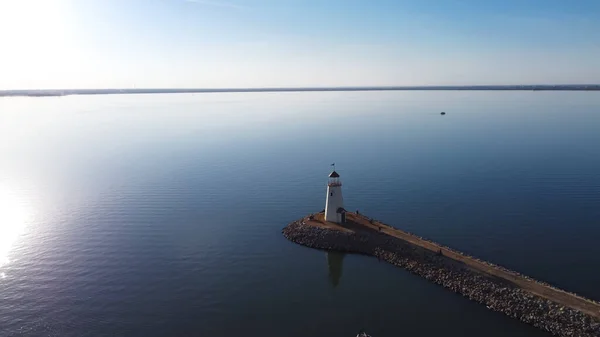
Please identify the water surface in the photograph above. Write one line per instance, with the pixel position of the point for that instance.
(160, 215)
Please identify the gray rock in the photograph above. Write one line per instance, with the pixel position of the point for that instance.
(513, 302)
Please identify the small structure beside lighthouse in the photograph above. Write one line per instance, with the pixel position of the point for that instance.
(334, 205)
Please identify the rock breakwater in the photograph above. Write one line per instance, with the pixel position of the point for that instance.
(496, 294)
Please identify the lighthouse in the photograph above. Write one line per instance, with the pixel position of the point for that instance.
(334, 204)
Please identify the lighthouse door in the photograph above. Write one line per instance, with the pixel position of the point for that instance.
(343, 217)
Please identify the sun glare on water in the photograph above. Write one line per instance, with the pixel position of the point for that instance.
(14, 216)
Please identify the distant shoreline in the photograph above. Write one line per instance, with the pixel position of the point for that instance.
(67, 92)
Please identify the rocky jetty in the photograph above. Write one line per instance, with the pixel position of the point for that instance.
(496, 294)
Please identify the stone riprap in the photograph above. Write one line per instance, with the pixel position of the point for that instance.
(495, 293)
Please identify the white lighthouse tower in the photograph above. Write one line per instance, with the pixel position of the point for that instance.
(334, 205)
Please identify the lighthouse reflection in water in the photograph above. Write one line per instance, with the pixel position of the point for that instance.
(335, 262)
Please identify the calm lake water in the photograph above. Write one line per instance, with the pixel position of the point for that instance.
(161, 215)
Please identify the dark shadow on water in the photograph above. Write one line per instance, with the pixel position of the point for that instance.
(335, 262)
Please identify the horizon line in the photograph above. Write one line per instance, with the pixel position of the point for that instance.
(66, 91)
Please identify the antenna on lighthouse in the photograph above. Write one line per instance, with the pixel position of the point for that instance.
(333, 166)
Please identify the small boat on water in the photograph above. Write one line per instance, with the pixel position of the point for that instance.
(442, 113)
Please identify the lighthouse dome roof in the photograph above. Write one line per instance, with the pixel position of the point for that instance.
(334, 175)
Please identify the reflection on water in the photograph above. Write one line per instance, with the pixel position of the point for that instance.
(335, 261)
(13, 216)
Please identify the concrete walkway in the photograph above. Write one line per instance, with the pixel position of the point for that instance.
(361, 223)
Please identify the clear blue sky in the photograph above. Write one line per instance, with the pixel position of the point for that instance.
(274, 43)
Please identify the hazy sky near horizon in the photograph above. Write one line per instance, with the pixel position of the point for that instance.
(281, 43)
